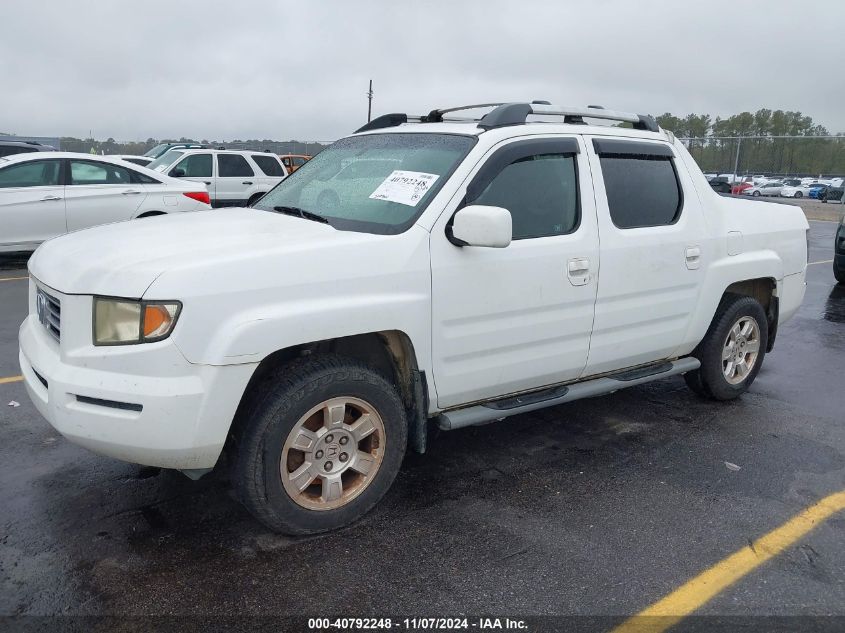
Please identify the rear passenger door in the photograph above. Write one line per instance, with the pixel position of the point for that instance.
(269, 173)
(99, 192)
(513, 319)
(653, 252)
(235, 181)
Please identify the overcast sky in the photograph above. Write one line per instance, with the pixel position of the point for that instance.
(280, 70)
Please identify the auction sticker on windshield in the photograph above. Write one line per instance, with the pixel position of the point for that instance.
(404, 187)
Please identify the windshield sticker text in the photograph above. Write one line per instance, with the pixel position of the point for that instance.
(404, 187)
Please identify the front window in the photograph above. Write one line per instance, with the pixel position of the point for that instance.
(378, 183)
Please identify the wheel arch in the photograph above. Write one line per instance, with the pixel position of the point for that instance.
(150, 214)
(389, 352)
(764, 290)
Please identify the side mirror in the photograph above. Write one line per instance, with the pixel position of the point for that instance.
(479, 225)
(178, 173)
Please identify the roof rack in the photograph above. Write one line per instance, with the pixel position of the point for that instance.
(505, 114)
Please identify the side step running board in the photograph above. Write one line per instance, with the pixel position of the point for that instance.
(503, 408)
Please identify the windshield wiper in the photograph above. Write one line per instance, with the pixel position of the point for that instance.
(302, 213)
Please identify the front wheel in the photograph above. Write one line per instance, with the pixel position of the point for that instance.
(798, 194)
(732, 351)
(756, 194)
(321, 442)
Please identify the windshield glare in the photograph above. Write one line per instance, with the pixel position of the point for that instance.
(165, 160)
(355, 186)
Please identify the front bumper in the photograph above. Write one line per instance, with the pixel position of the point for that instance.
(138, 403)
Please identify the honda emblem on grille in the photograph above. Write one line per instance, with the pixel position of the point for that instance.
(41, 308)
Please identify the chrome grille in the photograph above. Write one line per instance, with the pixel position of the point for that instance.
(49, 310)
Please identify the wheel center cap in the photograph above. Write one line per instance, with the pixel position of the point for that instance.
(332, 450)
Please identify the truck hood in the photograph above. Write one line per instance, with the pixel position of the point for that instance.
(125, 258)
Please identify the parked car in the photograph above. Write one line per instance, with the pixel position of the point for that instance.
(800, 191)
(839, 252)
(498, 267)
(818, 191)
(234, 178)
(162, 148)
(831, 194)
(719, 184)
(143, 161)
(768, 189)
(741, 187)
(292, 162)
(10, 148)
(43, 195)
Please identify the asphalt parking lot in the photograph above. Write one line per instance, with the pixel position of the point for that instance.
(598, 508)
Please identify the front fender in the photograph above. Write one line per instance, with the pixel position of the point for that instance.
(252, 335)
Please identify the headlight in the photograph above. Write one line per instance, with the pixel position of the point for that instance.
(124, 322)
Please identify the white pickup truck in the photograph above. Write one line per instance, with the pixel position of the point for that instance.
(421, 271)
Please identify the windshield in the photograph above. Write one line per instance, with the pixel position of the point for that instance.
(377, 183)
(166, 160)
(158, 149)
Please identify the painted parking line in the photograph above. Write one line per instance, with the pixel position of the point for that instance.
(697, 592)
(9, 379)
(12, 278)
(827, 261)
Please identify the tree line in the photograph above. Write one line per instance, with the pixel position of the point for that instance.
(137, 148)
(713, 142)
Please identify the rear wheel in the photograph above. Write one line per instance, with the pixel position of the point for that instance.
(321, 442)
(798, 194)
(254, 198)
(732, 351)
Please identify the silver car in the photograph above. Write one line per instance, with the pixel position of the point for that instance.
(766, 189)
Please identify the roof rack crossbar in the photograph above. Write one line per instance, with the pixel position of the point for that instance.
(504, 114)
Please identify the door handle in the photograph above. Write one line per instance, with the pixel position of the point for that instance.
(692, 255)
(46, 198)
(130, 192)
(578, 271)
(207, 182)
(246, 182)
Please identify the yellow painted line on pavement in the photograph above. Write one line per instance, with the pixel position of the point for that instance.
(827, 261)
(12, 278)
(3, 381)
(697, 592)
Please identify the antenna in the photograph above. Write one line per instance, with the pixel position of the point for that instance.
(370, 102)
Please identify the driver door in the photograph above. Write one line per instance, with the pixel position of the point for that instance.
(518, 318)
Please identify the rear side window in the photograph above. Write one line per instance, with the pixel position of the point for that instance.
(36, 173)
(233, 165)
(641, 183)
(194, 166)
(95, 173)
(269, 165)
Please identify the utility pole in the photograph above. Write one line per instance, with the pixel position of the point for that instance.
(370, 102)
(736, 162)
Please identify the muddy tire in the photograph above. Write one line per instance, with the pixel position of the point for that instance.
(320, 442)
(732, 351)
